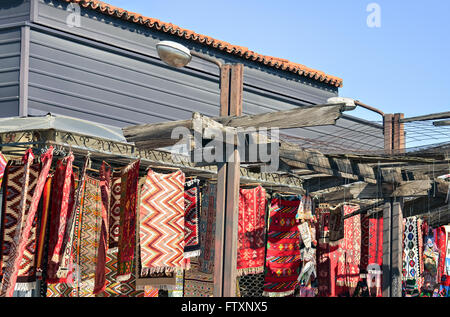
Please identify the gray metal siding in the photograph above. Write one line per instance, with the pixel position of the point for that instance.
(9, 72)
(13, 11)
(75, 79)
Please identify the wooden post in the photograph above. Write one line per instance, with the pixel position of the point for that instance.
(387, 250)
(387, 124)
(228, 183)
(398, 134)
(396, 250)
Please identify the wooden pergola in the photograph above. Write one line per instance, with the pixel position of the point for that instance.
(388, 183)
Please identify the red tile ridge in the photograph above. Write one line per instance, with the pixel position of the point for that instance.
(240, 51)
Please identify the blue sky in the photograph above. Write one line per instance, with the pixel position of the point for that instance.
(402, 66)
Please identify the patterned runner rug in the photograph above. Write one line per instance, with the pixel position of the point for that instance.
(162, 223)
(251, 232)
(283, 249)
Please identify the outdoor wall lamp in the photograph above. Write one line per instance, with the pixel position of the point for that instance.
(176, 55)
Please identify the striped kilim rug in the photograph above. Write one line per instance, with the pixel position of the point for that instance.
(283, 249)
(162, 223)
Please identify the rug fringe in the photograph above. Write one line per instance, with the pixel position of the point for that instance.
(278, 294)
(123, 278)
(160, 269)
(25, 287)
(250, 270)
(192, 254)
(162, 287)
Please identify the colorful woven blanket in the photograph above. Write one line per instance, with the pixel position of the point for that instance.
(62, 200)
(283, 249)
(127, 231)
(251, 232)
(349, 254)
(191, 218)
(17, 199)
(207, 228)
(162, 223)
(410, 249)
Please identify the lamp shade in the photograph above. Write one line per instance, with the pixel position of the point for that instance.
(173, 54)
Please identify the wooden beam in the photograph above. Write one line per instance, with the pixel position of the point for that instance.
(434, 116)
(296, 118)
(443, 123)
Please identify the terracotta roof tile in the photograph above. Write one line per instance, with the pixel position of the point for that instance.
(240, 51)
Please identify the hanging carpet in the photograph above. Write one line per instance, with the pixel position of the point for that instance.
(251, 232)
(192, 218)
(207, 228)
(283, 249)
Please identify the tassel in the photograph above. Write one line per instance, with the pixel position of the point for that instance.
(123, 278)
(250, 270)
(192, 254)
(278, 294)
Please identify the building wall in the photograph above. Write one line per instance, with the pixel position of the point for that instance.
(9, 71)
(107, 70)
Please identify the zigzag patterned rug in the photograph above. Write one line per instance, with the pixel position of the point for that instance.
(162, 223)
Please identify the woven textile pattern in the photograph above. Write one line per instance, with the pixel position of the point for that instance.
(207, 228)
(196, 283)
(349, 253)
(127, 230)
(113, 287)
(114, 217)
(162, 223)
(336, 225)
(251, 232)
(327, 255)
(11, 207)
(191, 218)
(283, 249)
(9, 281)
(90, 235)
(105, 190)
(410, 249)
(58, 220)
